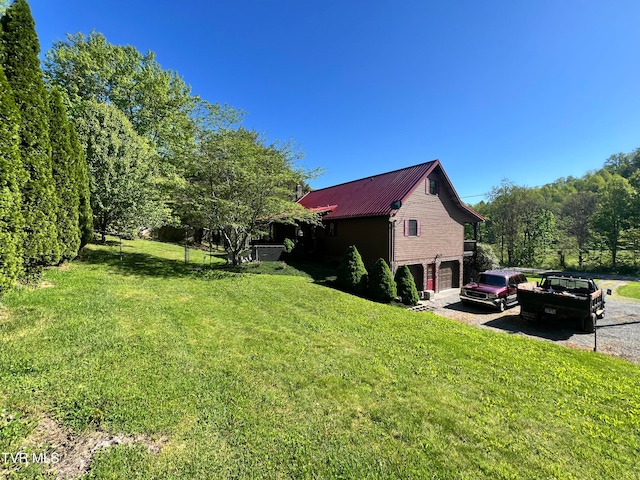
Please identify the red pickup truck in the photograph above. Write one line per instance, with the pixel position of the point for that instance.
(495, 288)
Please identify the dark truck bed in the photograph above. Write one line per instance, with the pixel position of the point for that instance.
(563, 297)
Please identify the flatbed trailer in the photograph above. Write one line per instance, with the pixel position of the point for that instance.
(563, 297)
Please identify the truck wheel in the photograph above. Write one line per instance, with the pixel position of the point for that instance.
(590, 323)
(502, 305)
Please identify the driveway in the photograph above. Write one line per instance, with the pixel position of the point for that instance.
(618, 333)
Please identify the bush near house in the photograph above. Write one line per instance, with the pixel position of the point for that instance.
(382, 287)
(406, 286)
(288, 245)
(352, 274)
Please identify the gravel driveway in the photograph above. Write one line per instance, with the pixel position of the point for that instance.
(618, 333)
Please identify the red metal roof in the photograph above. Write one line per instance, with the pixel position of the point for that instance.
(367, 197)
(372, 196)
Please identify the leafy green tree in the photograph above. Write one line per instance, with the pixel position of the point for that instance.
(11, 178)
(85, 215)
(39, 199)
(236, 183)
(577, 211)
(63, 158)
(486, 258)
(623, 164)
(406, 286)
(352, 274)
(123, 193)
(382, 287)
(157, 102)
(613, 212)
(509, 210)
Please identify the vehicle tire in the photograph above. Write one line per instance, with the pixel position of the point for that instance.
(502, 305)
(590, 323)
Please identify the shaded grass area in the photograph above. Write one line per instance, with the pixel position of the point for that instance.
(275, 376)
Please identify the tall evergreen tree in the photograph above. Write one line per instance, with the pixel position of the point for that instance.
(39, 200)
(85, 215)
(64, 174)
(11, 176)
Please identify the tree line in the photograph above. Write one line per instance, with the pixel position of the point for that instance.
(591, 222)
(101, 137)
(45, 214)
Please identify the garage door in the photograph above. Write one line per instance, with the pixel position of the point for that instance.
(449, 275)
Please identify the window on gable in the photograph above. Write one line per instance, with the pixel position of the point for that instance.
(412, 228)
(331, 229)
(433, 186)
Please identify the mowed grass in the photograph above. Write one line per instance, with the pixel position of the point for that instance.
(276, 376)
(631, 290)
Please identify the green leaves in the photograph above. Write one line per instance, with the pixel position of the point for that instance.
(237, 184)
(382, 287)
(63, 157)
(614, 211)
(39, 199)
(352, 273)
(119, 161)
(157, 102)
(11, 178)
(406, 286)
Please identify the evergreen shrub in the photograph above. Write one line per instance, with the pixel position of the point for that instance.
(382, 287)
(406, 286)
(352, 274)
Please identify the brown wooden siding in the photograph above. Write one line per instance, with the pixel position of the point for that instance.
(441, 236)
(369, 235)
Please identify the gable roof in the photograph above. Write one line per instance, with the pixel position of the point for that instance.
(373, 196)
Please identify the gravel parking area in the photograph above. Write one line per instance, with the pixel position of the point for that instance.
(618, 333)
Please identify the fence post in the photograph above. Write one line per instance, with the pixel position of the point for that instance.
(186, 248)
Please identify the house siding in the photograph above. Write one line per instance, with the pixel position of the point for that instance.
(369, 235)
(441, 236)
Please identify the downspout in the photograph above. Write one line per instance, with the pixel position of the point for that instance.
(392, 236)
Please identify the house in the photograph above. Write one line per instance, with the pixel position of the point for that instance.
(412, 216)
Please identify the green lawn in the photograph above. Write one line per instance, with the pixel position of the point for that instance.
(631, 290)
(281, 376)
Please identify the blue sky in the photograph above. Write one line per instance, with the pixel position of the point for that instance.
(527, 90)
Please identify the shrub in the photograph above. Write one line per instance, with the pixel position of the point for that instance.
(406, 286)
(352, 274)
(288, 245)
(382, 287)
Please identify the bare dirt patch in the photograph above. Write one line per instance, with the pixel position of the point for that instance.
(75, 452)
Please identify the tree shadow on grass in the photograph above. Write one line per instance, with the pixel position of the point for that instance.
(135, 263)
(144, 264)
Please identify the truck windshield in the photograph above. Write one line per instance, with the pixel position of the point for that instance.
(494, 280)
